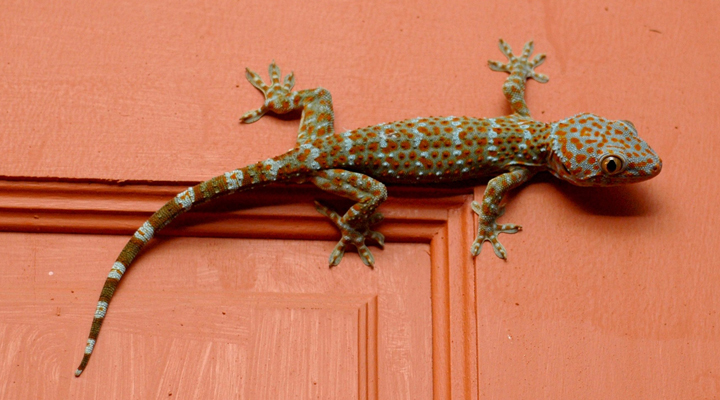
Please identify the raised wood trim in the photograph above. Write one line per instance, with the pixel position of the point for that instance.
(441, 218)
(120, 208)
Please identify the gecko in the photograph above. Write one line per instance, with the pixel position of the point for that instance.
(585, 150)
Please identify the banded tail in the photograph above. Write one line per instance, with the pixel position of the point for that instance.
(283, 167)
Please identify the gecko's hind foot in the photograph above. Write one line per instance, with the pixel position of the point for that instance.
(489, 231)
(521, 63)
(355, 236)
(277, 94)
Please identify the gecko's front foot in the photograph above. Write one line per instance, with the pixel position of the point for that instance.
(277, 95)
(489, 231)
(520, 64)
(353, 236)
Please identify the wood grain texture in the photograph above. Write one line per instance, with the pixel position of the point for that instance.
(606, 294)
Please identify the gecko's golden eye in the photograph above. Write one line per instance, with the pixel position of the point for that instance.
(612, 165)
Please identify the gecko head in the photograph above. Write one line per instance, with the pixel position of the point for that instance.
(588, 150)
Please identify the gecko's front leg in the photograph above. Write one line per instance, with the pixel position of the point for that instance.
(520, 69)
(491, 209)
(279, 96)
(316, 104)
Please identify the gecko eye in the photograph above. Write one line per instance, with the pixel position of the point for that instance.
(612, 165)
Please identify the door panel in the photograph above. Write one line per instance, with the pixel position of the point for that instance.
(209, 315)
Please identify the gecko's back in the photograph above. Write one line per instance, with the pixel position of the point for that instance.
(439, 149)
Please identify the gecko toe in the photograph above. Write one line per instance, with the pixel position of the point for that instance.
(476, 247)
(366, 256)
(337, 254)
(331, 214)
(252, 116)
(508, 228)
(378, 237)
(499, 249)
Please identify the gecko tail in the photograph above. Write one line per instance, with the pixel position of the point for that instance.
(282, 167)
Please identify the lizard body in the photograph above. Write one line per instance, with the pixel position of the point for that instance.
(585, 150)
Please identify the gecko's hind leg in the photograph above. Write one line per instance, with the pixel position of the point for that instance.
(316, 104)
(355, 224)
(368, 233)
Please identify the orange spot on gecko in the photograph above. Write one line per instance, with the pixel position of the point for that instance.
(576, 142)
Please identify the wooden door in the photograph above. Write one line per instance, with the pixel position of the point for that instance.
(236, 302)
(109, 108)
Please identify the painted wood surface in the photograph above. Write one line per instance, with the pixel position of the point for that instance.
(235, 301)
(109, 107)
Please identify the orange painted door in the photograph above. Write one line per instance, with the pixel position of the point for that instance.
(107, 109)
(234, 304)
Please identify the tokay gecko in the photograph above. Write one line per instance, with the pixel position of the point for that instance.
(585, 149)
